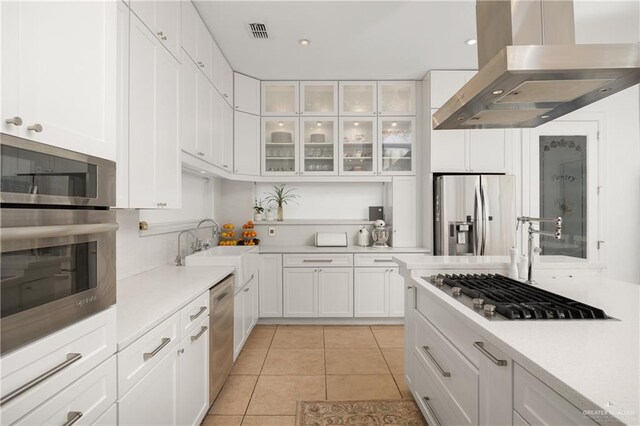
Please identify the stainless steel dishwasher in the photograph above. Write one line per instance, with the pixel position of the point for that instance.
(221, 337)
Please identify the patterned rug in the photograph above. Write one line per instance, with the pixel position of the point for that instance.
(403, 412)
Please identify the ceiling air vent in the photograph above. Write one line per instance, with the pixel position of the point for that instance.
(258, 30)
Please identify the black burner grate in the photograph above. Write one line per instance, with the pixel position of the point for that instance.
(517, 301)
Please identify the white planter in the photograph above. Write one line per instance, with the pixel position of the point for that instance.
(257, 217)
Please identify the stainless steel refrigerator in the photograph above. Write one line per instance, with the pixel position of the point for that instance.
(474, 215)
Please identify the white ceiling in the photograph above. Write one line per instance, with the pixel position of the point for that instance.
(377, 39)
(349, 40)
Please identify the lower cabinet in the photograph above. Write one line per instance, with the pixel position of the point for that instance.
(378, 292)
(318, 292)
(299, 292)
(245, 314)
(193, 400)
(270, 285)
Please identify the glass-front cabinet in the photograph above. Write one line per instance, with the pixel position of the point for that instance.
(358, 98)
(280, 146)
(358, 146)
(319, 98)
(396, 139)
(319, 146)
(280, 98)
(396, 98)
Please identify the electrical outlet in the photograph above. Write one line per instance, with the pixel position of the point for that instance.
(272, 231)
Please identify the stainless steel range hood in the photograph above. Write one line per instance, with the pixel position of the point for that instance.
(531, 70)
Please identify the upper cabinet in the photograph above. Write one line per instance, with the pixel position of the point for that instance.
(396, 98)
(358, 98)
(54, 51)
(246, 144)
(246, 94)
(280, 149)
(396, 136)
(319, 98)
(358, 146)
(319, 140)
(218, 68)
(163, 18)
(196, 40)
(227, 82)
(280, 98)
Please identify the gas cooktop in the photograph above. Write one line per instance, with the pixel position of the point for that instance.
(498, 297)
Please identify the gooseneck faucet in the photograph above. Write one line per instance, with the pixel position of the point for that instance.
(214, 232)
(557, 234)
(179, 256)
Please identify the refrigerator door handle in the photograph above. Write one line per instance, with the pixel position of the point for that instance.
(477, 221)
(484, 202)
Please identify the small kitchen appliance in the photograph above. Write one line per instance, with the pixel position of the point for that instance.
(364, 237)
(327, 239)
(380, 234)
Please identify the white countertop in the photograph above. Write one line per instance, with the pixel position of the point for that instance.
(422, 261)
(349, 249)
(147, 299)
(590, 363)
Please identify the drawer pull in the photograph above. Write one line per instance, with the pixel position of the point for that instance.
(496, 361)
(222, 296)
(383, 260)
(71, 358)
(317, 260)
(200, 312)
(197, 336)
(148, 355)
(433, 413)
(444, 373)
(72, 417)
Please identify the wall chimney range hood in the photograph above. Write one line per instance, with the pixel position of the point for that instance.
(531, 70)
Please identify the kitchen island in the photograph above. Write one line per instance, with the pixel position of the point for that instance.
(554, 371)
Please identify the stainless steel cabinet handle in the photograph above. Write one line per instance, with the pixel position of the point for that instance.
(16, 121)
(201, 64)
(200, 153)
(382, 260)
(71, 358)
(197, 336)
(444, 373)
(72, 417)
(36, 232)
(35, 128)
(496, 361)
(181, 351)
(246, 289)
(226, 166)
(148, 355)
(317, 260)
(409, 287)
(160, 33)
(222, 296)
(200, 312)
(433, 413)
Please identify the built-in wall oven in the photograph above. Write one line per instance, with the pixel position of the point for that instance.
(58, 239)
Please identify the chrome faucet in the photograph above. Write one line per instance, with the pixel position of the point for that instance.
(198, 244)
(557, 234)
(179, 261)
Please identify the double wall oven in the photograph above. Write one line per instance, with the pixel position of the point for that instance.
(57, 237)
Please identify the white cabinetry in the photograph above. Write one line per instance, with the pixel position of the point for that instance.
(198, 96)
(154, 129)
(246, 146)
(55, 51)
(280, 146)
(401, 211)
(227, 83)
(218, 68)
(193, 400)
(378, 292)
(245, 314)
(335, 292)
(358, 98)
(299, 295)
(396, 98)
(280, 98)
(163, 19)
(222, 134)
(246, 94)
(270, 283)
(358, 146)
(396, 138)
(496, 378)
(319, 146)
(319, 98)
(196, 40)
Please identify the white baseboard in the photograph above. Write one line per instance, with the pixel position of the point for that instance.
(331, 321)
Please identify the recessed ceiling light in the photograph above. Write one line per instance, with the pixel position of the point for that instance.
(471, 41)
(356, 124)
(202, 171)
(280, 123)
(318, 123)
(544, 116)
(498, 92)
(304, 42)
(394, 124)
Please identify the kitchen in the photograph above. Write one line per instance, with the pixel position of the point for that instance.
(241, 215)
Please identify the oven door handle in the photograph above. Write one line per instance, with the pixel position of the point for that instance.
(37, 232)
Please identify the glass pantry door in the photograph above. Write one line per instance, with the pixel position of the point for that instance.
(280, 146)
(358, 146)
(319, 151)
(319, 98)
(396, 136)
(358, 98)
(280, 98)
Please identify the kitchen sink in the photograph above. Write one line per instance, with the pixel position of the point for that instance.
(243, 258)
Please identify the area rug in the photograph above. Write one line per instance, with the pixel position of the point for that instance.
(403, 412)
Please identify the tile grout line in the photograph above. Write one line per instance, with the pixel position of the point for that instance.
(255, 385)
(387, 363)
(324, 354)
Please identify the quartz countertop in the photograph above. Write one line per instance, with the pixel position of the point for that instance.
(594, 364)
(422, 261)
(349, 249)
(145, 300)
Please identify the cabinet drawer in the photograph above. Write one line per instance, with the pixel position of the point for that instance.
(72, 352)
(86, 399)
(457, 332)
(191, 314)
(432, 400)
(449, 368)
(373, 260)
(143, 354)
(304, 260)
(538, 404)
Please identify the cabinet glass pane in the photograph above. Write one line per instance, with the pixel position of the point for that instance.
(563, 193)
(358, 99)
(280, 99)
(396, 98)
(318, 145)
(357, 144)
(280, 148)
(397, 137)
(318, 99)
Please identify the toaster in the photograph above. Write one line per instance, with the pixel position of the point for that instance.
(326, 239)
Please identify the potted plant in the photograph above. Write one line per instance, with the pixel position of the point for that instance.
(257, 210)
(280, 197)
(270, 214)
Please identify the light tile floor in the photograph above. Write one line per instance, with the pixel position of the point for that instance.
(280, 365)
